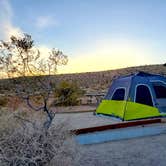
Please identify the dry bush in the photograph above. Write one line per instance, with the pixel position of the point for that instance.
(24, 142)
(14, 102)
(3, 101)
(67, 94)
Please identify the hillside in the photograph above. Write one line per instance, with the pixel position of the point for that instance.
(102, 79)
(97, 81)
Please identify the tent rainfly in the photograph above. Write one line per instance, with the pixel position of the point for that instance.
(137, 96)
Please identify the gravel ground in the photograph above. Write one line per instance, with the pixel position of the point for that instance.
(69, 109)
(145, 151)
(82, 120)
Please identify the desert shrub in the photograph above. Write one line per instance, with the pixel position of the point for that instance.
(14, 102)
(3, 101)
(32, 145)
(68, 94)
(36, 100)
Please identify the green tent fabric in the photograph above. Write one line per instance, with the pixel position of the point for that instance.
(127, 110)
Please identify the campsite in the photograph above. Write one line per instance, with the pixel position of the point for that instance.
(123, 143)
(82, 83)
(130, 150)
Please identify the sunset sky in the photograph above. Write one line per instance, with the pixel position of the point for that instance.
(95, 34)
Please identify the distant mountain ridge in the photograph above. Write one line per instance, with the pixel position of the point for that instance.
(100, 80)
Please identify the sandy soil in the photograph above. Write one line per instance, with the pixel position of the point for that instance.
(145, 151)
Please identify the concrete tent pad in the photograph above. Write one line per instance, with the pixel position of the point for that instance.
(120, 134)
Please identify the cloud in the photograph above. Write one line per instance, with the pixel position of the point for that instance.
(45, 22)
(7, 27)
(44, 51)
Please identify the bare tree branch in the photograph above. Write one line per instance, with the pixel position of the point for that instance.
(19, 59)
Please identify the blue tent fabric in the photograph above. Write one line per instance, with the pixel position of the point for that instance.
(132, 83)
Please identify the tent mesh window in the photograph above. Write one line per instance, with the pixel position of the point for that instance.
(160, 90)
(143, 95)
(119, 94)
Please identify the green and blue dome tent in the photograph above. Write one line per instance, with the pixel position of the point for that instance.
(136, 96)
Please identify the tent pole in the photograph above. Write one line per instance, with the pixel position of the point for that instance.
(127, 98)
